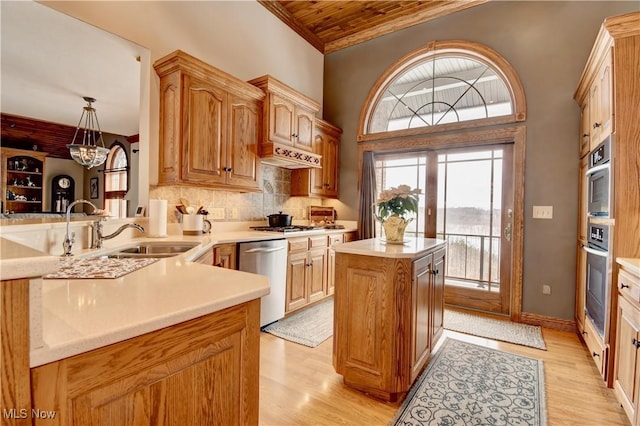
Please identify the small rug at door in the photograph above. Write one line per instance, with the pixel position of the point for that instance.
(505, 331)
(309, 327)
(467, 384)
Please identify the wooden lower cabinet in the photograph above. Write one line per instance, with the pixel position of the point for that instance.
(388, 317)
(306, 271)
(200, 372)
(626, 376)
(225, 256)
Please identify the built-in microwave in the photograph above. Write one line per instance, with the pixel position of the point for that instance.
(600, 194)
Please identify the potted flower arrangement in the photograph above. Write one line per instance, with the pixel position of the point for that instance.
(393, 206)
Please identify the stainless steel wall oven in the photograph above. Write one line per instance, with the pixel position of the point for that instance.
(599, 181)
(598, 275)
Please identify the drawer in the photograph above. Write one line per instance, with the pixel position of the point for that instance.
(318, 242)
(335, 239)
(350, 236)
(628, 286)
(298, 244)
(595, 345)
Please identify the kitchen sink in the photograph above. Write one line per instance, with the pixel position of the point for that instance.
(152, 250)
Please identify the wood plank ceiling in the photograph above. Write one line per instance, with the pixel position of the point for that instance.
(330, 25)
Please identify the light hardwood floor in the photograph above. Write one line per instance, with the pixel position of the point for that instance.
(298, 385)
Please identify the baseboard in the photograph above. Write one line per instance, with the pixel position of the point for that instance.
(548, 322)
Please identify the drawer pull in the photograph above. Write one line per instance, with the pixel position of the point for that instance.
(595, 354)
(623, 286)
(635, 342)
(584, 333)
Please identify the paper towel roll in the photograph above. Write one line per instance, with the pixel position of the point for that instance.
(157, 218)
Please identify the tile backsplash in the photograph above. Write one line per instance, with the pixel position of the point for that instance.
(241, 207)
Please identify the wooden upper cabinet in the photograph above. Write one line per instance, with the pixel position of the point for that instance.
(204, 118)
(291, 118)
(210, 126)
(585, 129)
(320, 182)
(242, 158)
(600, 103)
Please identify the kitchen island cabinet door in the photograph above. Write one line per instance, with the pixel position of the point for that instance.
(437, 298)
(421, 284)
(201, 372)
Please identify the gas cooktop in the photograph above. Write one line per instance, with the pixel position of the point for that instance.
(293, 228)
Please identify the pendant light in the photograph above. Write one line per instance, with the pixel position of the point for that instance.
(89, 154)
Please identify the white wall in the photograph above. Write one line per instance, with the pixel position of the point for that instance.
(239, 37)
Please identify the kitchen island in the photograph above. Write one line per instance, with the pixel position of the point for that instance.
(389, 302)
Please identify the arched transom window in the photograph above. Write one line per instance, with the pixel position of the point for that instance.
(445, 83)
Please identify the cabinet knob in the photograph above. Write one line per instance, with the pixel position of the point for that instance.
(635, 342)
(595, 354)
(309, 264)
(435, 271)
(584, 333)
(295, 135)
(585, 135)
(326, 185)
(623, 286)
(596, 125)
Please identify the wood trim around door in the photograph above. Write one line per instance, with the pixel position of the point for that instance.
(475, 138)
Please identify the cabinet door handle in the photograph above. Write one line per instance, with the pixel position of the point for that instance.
(635, 342)
(584, 333)
(623, 286)
(596, 125)
(595, 354)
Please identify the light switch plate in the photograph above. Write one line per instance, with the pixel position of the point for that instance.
(543, 212)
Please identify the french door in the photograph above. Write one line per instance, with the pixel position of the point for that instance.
(467, 198)
(475, 216)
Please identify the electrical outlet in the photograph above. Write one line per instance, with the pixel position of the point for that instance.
(234, 213)
(543, 212)
(216, 213)
(546, 289)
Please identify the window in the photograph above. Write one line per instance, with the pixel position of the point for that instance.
(115, 181)
(444, 84)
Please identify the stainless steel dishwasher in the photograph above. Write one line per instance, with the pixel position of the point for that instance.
(268, 258)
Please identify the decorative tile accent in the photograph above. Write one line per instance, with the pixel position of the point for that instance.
(79, 268)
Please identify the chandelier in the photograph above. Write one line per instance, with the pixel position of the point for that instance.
(89, 154)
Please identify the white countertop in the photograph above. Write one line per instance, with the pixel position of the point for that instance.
(79, 315)
(71, 316)
(18, 261)
(630, 264)
(412, 248)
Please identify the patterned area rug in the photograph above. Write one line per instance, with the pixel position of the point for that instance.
(309, 327)
(466, 384)
(521, 334)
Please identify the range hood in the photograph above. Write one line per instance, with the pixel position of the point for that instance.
(288, 157)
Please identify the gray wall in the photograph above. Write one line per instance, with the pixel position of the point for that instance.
(548, 44)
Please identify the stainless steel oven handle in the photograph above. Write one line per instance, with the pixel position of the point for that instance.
(596, 252)
(264, 249)
(596, 169)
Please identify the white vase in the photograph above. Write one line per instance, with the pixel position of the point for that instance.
(394, 227)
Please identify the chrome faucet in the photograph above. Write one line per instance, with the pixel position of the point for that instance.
(69, 239)
(96, 232)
